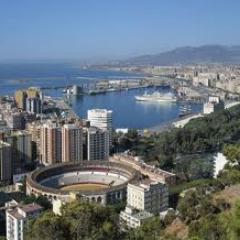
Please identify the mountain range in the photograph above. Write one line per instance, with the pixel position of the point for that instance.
(207, 54)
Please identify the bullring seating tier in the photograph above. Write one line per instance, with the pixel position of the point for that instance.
(71, 178)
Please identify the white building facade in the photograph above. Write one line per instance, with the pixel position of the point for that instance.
(16, 220)
(101, 118)
(144, 200)
(148, 196)
(133, 218)
(214, 104)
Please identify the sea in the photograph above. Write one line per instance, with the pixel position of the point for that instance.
(127, 112)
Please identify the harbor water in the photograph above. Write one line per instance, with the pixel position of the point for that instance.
(127, 112)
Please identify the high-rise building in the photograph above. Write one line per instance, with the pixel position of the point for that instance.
(20, 142)
(51, 143)
(20, 97)
(35, 129)
(101, 118)
(3, 132)
(33, 105)
(96, 144)
(16, 120)
(17, 218)
(5, 162)
(33, 92)
(72, 143)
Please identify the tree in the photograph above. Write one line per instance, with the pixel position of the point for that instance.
(235, 222)
(150, 230)
(78, 221)
(208, 228)
(47, 227)
(187, 205)
(86, 219)
(232, 152)
(202, 135)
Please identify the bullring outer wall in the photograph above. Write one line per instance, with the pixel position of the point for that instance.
(109, 195)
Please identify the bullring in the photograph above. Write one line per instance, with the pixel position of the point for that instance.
(97, 181)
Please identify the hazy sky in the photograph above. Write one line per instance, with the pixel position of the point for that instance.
(80, 29)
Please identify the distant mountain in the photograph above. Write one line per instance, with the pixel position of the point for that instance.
(191, 55)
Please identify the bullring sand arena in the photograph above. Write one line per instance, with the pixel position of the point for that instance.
(98, 181)
(84, 187)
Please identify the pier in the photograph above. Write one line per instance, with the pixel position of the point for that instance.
(56, 87)
(104, 86)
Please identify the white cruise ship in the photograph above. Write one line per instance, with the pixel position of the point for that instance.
(156, 96)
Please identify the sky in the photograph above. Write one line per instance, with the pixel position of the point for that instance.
(112, 29)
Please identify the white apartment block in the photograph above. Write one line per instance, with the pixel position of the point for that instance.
(148, 196)
(133, 218)
(101, 118)
(16, 220)
(144, 200)
(214, 104)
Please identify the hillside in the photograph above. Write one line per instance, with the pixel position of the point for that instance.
(191, 55)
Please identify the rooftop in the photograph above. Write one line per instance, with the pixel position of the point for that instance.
(14, 213)
(145, 183)
(19, 133)
(142, 215)
(20, 211)
(100, 110)
(4, 144)
(70, 126)
(32, 207)
(135, 213)
(94, 129)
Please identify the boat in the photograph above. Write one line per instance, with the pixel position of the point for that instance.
(185, 110)
(157, 96)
